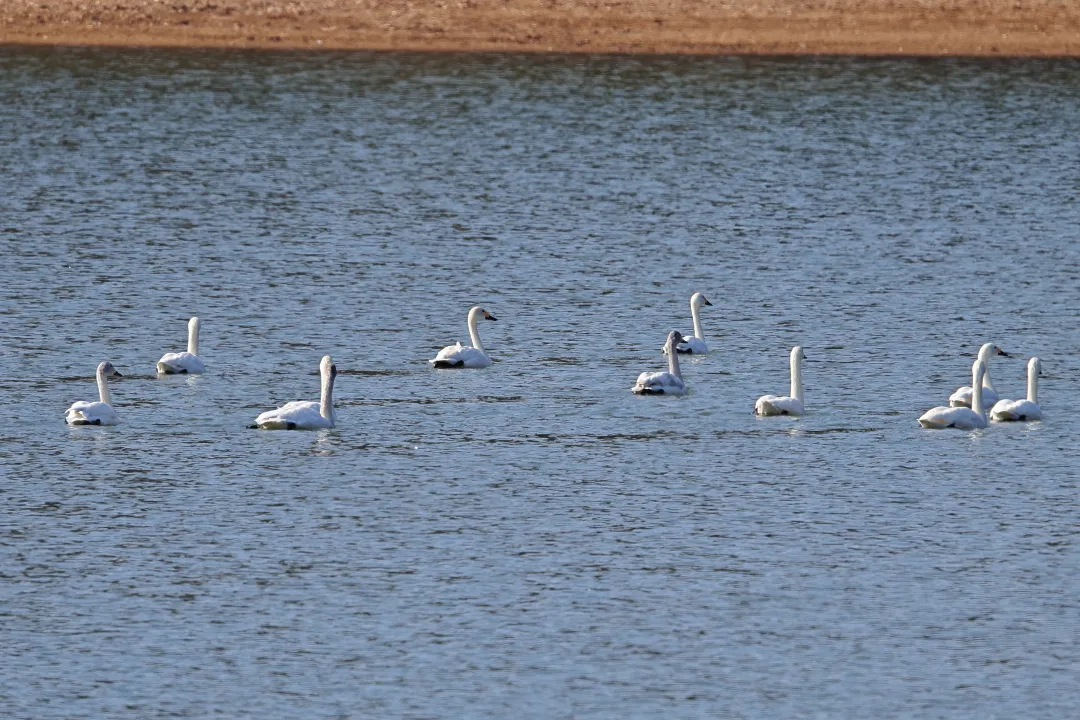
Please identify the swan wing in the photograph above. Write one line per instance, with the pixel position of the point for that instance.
(778, 405)
(962, 418)
(462, 356)
(962, 397)
(659, 383)
(1013, 410)
(297, 415)
(183, 362)
(91, 413)
(693, 345)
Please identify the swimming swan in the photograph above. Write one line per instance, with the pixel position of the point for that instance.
(696, 342)
(184, 362)
(463, 356)
(961, 418)
(96, 413)
(301, 415)
(791, 404)
(962, 397)
(1029, 409)
(664, 383)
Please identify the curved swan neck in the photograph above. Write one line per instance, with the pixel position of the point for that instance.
(326, 397)
(796, 376)
(474, 336)
(103, 386)
(193, 336)
(1033, 380)
(673, 361)
(695, 309)
(978, 373)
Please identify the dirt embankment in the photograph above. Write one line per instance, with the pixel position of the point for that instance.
(876, 27)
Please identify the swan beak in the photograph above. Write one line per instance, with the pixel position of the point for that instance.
(1002, 353)
(705, 301)
(116, 373)
(489, 316)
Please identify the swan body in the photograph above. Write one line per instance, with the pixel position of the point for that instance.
(962, 396)
(788, 404)
(961, 418)
(96, 413)
(184, 362)
(301, 415)
(664, 383)
(464, 356)
(1023, 410)
(694, 344)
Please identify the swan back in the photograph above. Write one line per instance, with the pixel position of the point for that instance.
(193, 336)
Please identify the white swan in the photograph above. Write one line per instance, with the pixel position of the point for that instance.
(664, 383)
(301, 415)
(463, 356)
(184, 362)
(1029, 409)
(962, 396)
(961, 418)
(96, 413)
(790, 404)
(695, 343)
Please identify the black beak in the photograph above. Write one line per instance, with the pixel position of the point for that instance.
(706, 301)
(491, 317)
(118, 373)
(1002, 353)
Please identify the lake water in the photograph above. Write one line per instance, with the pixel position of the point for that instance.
(531, 539)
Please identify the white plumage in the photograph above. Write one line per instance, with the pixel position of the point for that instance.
(663, 383)
(694, 344)
(184, 362)
(961, 418)
(962, 396)
(463, 356)
(100, 412)
(301, 415)
(786, 404)
(1022, 410)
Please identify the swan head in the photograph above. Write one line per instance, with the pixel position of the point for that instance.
(674, 338)
(1035, 366)
(327, 368)
(480, 313)
(106, 369)
(697, 300)
(797, 354)
(989, 349)
(977, 372)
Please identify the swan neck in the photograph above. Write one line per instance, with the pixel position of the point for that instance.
(474, 335)
(193, 336)
(673, 361)
(103, 387)
(1033, 384)
(984, 355)
(326, 398)
(976, 394)
(796, 379)
(694, 310)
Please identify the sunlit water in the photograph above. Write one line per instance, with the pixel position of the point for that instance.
(532, 540)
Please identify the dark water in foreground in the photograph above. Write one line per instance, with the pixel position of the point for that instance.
(531, 540)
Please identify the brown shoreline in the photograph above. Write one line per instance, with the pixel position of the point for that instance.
(999, 28)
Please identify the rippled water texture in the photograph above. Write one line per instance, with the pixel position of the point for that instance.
(531, 540)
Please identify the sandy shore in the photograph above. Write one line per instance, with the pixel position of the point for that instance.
(876, 27)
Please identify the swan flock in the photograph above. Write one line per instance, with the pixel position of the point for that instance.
(967, 409)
